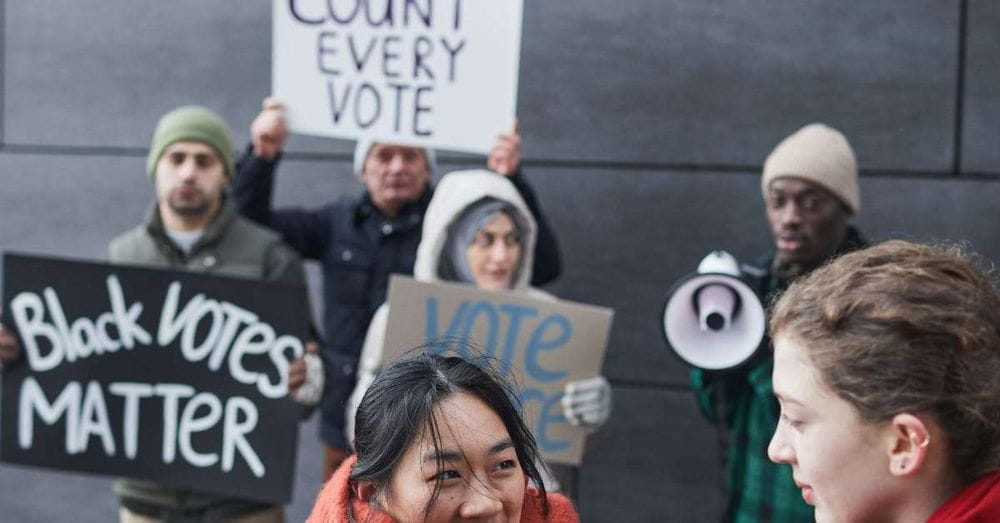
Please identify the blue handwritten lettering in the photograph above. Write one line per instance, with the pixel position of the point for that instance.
(539, 344)
(516, 313)
(486, 310)
(550, 413)
(433, 333)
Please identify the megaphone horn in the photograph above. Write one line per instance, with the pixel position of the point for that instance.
(716, 305)
(713, 319)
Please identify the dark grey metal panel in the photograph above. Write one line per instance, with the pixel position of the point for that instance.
(656, 460)
(981, 115)
(938, 210)
(70, 206)
(722, 81)
(708, 82)
(627, 237)
(311, 184)
(102, 73)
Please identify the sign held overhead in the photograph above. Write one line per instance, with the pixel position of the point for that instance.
(431, 73)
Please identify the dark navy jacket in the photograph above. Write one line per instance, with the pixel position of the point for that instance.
(358, 248)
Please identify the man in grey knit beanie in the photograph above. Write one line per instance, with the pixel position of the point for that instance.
(362, 238)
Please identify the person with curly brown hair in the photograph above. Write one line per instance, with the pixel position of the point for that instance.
(887, 370)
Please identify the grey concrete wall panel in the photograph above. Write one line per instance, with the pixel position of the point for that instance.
(721, 82)
(70, 205)
(932, 210)
(626, 238)
(710, 82)
(100, 73)
(981, 115)
(655, 461)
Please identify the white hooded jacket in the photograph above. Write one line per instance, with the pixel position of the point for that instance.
(454, 193)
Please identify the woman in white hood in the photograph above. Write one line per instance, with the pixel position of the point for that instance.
(478, 230)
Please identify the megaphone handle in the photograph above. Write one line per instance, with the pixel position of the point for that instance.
(722, 423)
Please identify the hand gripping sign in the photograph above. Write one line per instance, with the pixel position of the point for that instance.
(432, 73)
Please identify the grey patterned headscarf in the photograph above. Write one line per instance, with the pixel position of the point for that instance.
(454, 264)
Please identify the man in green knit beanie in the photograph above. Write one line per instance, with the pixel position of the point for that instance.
(192, 124)
(193, 225)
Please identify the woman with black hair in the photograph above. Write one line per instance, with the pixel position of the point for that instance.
(440, 439)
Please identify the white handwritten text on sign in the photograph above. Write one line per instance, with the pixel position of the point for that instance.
(152, 374)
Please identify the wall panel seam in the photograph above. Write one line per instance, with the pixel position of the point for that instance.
(963, 24)
(649, 385)
(3, 69)
(535, 163)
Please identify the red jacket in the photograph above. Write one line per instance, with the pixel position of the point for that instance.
(977, 503)
(331, 504)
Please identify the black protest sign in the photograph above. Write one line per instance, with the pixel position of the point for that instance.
(438, 74)
(170, 376)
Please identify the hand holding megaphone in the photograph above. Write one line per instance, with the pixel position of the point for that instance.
(713, 319)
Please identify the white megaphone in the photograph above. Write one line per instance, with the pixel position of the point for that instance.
(713, 319)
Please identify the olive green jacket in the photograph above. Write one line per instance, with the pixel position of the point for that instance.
(230, 246)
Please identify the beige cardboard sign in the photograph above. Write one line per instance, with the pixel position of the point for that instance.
(545, 344)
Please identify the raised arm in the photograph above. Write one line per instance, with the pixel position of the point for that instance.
(254, 181)
(306, 231)
(505, 158)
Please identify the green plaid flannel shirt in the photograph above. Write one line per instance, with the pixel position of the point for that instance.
(760, 491)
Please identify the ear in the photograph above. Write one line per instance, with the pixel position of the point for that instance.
(909, 444)
(364, 490)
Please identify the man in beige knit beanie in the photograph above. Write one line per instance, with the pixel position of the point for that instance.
(810, 187)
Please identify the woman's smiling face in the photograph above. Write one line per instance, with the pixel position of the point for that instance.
(475, 461)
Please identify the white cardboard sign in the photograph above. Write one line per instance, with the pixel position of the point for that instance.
(433, 73)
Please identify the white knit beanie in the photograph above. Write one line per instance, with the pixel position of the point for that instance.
(819, 154)
(365, 145)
